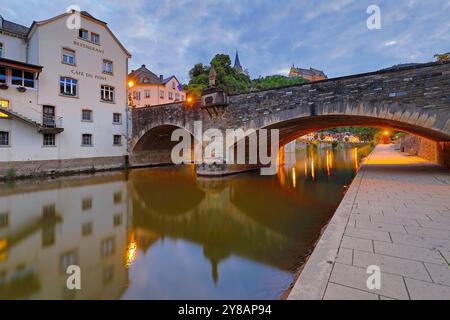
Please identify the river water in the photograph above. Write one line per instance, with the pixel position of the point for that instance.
(162, 233)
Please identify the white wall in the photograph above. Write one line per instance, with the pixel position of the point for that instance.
(13, 48)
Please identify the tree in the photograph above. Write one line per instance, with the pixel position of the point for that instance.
(271, 82)
(228, 79)
(442, 57)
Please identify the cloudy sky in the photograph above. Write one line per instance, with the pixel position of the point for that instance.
(170, 36)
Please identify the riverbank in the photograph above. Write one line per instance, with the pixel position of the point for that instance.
(395, 215)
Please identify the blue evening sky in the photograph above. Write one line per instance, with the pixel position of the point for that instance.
(170, 36)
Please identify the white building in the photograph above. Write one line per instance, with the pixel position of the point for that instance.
(63, 96)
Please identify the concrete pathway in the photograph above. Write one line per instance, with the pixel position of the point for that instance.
(395, 215)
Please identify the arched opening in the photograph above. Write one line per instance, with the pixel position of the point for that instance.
(156, 145)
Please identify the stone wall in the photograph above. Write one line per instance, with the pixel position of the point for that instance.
(19, 169)
(437, 152)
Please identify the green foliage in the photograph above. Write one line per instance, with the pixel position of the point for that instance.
(271, 82)
(228, 79)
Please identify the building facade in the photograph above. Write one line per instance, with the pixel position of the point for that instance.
(149, 90)
(307, 74)
(63, 96)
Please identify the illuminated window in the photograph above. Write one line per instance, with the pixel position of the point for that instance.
(86, 140)
(68, 86)
(95, 38)
(68, 57)
(4, 104)
(107, 93)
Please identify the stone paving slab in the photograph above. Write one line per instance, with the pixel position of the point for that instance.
(395, 215)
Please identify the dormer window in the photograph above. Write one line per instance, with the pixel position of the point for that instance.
(83, 34)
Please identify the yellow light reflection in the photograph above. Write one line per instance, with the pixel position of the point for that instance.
(2, 115)
(306, 167)
(355, 158)
(294, 178)
(3, 244)
(281, 176)
(329, 163)
(313, 170)
(131, 253)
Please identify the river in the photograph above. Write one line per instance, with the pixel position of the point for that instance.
(163, 233)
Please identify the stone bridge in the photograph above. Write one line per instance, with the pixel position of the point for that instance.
(413, 99)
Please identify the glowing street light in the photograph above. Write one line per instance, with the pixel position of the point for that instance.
(130, 84)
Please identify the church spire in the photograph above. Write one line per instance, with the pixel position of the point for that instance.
(237, 63)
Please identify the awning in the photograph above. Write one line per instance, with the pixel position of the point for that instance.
(20, 65)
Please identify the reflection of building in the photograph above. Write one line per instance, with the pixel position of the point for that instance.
(151, 90)
(308, 74)
(46, 230)
(62, 94)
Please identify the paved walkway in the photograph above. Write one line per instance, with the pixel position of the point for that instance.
(395, 215)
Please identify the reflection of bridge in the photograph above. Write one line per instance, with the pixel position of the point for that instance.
(411, 99)
(227, 217)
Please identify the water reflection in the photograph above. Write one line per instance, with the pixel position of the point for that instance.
(164, 234)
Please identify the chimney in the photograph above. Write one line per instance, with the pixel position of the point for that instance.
(161, 77)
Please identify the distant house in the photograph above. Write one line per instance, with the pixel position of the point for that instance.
(152, 90)
(308, 74)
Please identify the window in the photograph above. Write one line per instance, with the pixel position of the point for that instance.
(22, 78)
(86, 140)
(83, 34)
(173, 85)
(117, 197)
(4, 138)
(117, 140)
(177, 96)
(137, 95)
(2, 75)
(68, 259)
(86, 229)
(68, 56)
(4, 103)
(117, 220)
(68, 86)
(108, 274)
(107, 67)
(170, 95)
(161, 94)
(49, 140)
(182, 97)
(86, 115)
(95, 38)
(86, 204)
(148, 94)
(117, 118)
(1, 50)
(4, 220)
(107, 93)
(108, 247)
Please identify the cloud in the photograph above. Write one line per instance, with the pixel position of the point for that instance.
(390, 43)
(170, 36)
